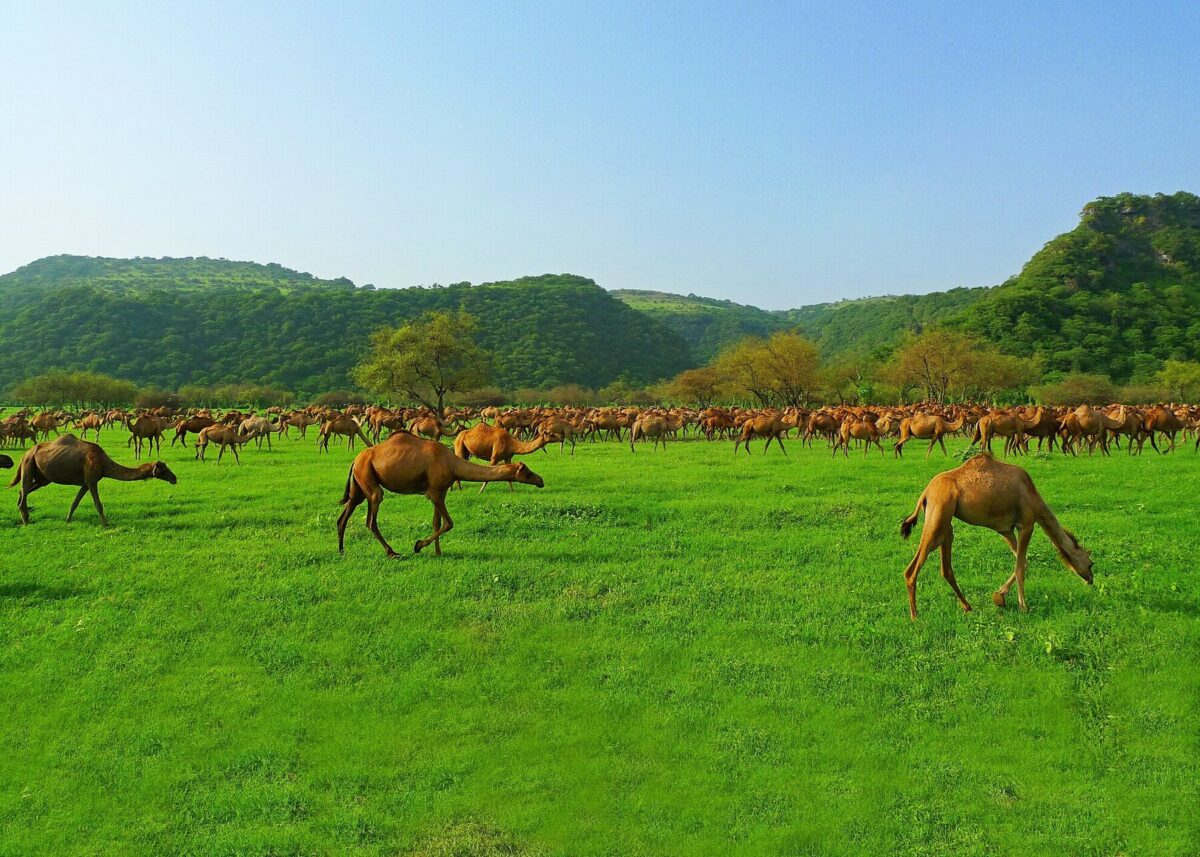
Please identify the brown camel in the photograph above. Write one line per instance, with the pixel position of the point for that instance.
(495, 445)
(90, 422)
(770, 426)
(856, 429)
(929, 427)
(145, 430)
(225, 437)
(344, 425)
(650, 425)
(405, 464)
(194, 425)
(45, 423)
(1009, 425)
(71, 461)
(1086, 422)
(987, 493)
(431, 428)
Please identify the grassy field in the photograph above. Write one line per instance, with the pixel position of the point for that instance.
(679, 652)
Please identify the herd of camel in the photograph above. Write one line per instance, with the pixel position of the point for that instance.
(411, 458)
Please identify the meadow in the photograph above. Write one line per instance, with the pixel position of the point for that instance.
(672, 652)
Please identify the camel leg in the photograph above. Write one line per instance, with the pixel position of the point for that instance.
(236, 456)
(999, 594)
(929, 449)
(352, 503)
(220, 452)
(75, 503)
(439, 529)
(374, 500)
(948, 572)
(779, 442)
(937, 530)
(99, 505)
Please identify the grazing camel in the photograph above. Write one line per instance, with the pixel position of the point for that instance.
(1009, 425)
(495, 445)
(195, 425)
(224, 437)
(406, 464)
(145, 430)
(857, 429)
(91, 422)
(987, 493)
(45, 423)
(769, 426)
(342, 424)
(431, 428)
(263, 427)
(649, 425)
(929, 427)
(71, 461)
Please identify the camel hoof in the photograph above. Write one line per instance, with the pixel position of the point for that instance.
(998, 599)
(966, 608)
(391, 554)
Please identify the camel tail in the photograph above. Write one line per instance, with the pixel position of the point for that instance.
(346, 493)
(16, 480)
(906, 526)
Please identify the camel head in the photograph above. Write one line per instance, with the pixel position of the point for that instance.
(522, 473)
(161, 471)
(1076, 556)
(5, 461)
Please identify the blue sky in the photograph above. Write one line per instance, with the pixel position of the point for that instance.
(776, 154)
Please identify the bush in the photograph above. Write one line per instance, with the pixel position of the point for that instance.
(1076, 389)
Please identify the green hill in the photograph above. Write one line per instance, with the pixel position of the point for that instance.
(171, 322)
(1118, 294)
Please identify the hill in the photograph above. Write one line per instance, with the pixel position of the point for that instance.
(171, 322)
(1117, 295)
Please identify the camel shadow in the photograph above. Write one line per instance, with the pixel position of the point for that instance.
(1171, 603)
(36, 592)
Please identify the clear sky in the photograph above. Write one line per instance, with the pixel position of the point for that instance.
(776, 154)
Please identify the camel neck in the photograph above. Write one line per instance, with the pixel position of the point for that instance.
(468, 471)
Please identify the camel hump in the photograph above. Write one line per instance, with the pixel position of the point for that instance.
(68, 440)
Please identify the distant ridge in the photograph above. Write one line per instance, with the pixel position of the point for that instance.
(1117, 295)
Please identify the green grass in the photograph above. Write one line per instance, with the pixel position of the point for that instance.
(679, 652)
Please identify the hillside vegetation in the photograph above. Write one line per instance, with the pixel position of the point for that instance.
(171, 322)
(1116, 296)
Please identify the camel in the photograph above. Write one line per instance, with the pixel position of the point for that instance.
(194, 425)
(987, 493)
(496, 445)
(929, 427)
(406, 464)
(71, 461)
(769, 426)
(650, 425)
(1009, 425)
(145, 430)
(344, 425)
(431, 428)
(263, 427)
(1159, 419)
(224, 437)
(90, 422)
(301, 421)
(45, 423)
(857, 429)
(1087, 422)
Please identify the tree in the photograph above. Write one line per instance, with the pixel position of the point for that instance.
(745, 365)
(696, 386)
(1181, 378)
(1075, 389)
(793, 366)
(427, 359)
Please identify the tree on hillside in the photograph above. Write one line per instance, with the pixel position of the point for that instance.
(700, 386)
(1181, 379)
(947, 364)
(78, 389)
(427, 359)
